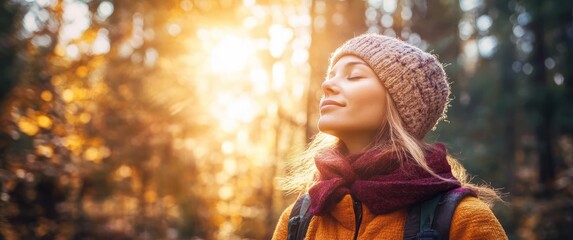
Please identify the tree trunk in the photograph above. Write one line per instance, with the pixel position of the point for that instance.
(543, 105)
(505, 60)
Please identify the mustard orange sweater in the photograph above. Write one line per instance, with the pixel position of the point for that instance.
(472, 220)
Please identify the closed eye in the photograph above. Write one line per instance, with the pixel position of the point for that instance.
(355, 77)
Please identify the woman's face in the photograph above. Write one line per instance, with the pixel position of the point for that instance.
(354, 100)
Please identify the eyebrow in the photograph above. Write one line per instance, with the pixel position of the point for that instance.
(347, 65)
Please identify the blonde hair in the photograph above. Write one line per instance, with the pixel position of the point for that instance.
(302, 173)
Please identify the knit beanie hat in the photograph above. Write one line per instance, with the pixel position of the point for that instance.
(414, 79)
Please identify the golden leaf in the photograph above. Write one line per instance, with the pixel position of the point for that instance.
(124, 171)
(85, 117)
(45, 151)
(68, 95)
(44, 121)
(28, 126)
(93, 154)
(46, 96)
(82, 71)
(150, 196)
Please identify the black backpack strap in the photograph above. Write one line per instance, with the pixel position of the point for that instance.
(412, 226)
(446, 208)
(437, 213)
(420, 220)
(299, 218)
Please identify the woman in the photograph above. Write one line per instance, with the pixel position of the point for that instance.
(369, 165)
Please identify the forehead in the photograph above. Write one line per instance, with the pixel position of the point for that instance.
(348, 61)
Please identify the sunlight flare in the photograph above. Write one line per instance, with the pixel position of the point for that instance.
(230, 55)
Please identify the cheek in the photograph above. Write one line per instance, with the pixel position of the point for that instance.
(370, 101)
(369, 106)
(371, 112)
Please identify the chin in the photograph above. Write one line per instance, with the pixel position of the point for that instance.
(328, 128)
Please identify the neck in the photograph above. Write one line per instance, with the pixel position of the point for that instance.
(356, 144)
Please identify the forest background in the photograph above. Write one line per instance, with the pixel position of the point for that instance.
(173, 119)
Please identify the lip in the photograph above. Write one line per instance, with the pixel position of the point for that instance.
(328, 103)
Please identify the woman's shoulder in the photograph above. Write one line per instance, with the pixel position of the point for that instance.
(473, 219)
(471, 205)
(281, 229)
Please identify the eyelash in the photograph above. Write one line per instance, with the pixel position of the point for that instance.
(348, 77)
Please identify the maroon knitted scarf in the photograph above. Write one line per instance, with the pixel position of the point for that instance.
(378, 180)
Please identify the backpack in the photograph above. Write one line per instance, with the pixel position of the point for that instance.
(429, 220)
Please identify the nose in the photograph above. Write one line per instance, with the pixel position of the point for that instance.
(329, 87)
